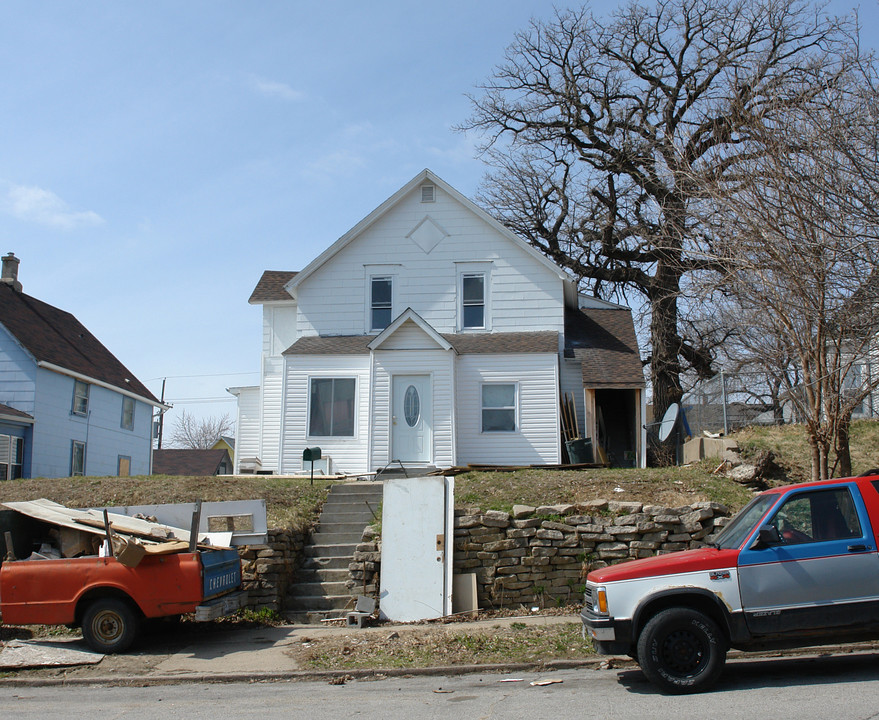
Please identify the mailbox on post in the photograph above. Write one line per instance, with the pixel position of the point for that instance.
(310, 455)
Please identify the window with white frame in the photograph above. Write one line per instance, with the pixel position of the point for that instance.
(127, 413)
(80, 398)
(11, 457)
(499, 407)
(380, 302)
(331, 407)
(473, 300)
(77, 458)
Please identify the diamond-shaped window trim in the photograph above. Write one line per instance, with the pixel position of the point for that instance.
(427, 234)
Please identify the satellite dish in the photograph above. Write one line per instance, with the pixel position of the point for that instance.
(669, 420)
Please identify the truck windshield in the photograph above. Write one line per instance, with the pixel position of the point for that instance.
(734, 534)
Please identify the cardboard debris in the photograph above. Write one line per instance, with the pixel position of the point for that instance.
(128, 551)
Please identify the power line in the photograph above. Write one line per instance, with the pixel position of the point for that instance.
(186, 377)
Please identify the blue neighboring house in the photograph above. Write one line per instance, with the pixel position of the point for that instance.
(67, 405)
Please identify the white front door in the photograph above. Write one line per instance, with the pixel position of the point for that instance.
(411, 419)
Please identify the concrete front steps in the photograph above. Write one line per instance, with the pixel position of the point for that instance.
(321, 589)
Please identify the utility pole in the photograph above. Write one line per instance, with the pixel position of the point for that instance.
(162, 414)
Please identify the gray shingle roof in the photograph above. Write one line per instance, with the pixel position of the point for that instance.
(55, 336)
(463, 343)
(605, 343)
(270, 287)
(189, 462)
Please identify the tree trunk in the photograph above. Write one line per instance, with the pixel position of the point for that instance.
(843, 451)
(665, 368)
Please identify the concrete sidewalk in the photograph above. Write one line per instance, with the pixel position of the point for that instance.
(235, 655)
(267, 654)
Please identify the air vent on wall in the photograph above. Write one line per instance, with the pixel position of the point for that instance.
(428, 193)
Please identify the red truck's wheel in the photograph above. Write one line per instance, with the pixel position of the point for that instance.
(109, 625)
(681, 651)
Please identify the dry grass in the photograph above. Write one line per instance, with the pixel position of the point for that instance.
(671, 487)
(790, 445)
(292, 503)
(295, 503)
(439, 646)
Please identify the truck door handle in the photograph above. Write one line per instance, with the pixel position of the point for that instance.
(857, 548)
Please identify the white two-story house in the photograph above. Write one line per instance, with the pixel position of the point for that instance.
(432, 336)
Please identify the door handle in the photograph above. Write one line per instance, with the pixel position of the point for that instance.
(857, 548)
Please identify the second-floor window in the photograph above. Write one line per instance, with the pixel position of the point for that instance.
(127, 413)
(381, 303)
(473, 300)
(80, 398)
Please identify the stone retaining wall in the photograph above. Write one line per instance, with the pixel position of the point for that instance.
(542, 555)
(268, 569)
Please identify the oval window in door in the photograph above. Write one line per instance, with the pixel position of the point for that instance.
(411, 406)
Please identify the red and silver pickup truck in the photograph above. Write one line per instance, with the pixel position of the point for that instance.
(797, 567)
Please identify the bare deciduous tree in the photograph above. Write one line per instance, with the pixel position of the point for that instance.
(604, 133)
(801, 241)
(199, 433)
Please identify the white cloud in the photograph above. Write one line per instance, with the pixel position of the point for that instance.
(273, 88)
(36, 205)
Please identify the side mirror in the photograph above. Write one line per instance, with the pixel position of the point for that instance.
(767, 536)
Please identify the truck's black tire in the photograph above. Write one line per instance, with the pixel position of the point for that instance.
(110, 625)
(681, 651)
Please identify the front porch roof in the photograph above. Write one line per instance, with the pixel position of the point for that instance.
(461, 343)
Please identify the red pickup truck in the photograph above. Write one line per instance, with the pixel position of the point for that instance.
(70, 582)
(797, 567)
(109, 600)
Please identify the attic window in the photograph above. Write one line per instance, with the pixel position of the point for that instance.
(428, 193)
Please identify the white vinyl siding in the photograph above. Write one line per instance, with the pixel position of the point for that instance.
(523, 294)
(247, 431)
(439, 365)
(536, 439)
(279, 328)
(348, 454)
(272, 401)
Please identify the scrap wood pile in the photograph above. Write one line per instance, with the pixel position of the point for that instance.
(78, 533)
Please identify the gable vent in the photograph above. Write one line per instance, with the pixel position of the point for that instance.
(428, 193)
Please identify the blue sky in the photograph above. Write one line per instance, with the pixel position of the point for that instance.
(158, 156)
